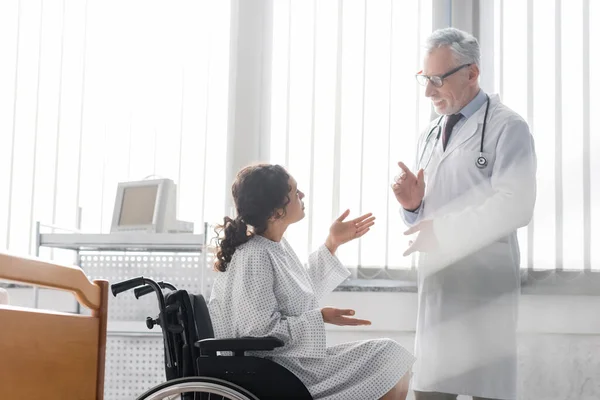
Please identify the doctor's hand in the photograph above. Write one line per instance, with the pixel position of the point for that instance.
(344, 231)
(425, 241)
(337, 316)
(409, 188)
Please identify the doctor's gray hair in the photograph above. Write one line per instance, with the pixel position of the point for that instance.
(463, 45)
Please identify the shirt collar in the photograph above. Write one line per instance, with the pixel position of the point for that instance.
(474, 105)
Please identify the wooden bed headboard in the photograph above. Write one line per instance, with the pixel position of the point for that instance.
(52, 355)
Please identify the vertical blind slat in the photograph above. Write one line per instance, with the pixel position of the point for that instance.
(587, 203)
(337, 140)
(14, 122)
(362, 128)
(36, 128)
(558, 159)
(530, 118)
(312, 130)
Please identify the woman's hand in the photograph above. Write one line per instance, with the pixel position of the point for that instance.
(342, 232)
(337, 316)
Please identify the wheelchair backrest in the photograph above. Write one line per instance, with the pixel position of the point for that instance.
(203, 323)
(187, 321)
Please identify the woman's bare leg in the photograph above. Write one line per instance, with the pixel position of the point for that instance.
(400, 391)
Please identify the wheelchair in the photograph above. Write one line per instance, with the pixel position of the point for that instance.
(195, 366)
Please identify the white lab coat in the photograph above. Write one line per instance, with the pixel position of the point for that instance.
(470, 285)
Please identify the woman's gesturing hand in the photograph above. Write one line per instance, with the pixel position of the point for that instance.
(338, 316)
(344, 231)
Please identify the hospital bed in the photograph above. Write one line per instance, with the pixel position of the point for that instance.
(47, 354)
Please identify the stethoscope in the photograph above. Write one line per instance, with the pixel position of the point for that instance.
(481, 162)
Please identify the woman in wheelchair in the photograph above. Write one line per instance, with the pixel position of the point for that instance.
(264, 290)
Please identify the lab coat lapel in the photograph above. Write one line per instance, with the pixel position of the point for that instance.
(436, 158)
(472, 127)
(466, 132)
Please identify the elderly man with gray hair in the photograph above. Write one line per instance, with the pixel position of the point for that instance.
(472, 187)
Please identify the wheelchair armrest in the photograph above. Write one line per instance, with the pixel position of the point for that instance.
(238, 345)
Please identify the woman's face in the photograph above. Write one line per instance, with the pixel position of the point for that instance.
(294, 211)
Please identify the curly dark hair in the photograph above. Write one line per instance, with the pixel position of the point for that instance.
(258, 192)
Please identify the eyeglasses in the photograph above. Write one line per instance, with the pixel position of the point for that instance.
(438, 81)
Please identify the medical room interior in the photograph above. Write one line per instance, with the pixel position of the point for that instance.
(144, 147)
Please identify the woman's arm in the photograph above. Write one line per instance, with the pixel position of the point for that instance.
(326, 271)
(257, 312)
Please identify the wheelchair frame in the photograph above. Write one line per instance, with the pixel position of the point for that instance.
(194, 368)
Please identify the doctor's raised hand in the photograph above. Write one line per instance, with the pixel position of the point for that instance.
(409, 188)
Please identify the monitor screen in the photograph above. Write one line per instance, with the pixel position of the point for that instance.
(138, 205)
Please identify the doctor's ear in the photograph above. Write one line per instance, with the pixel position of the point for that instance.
(473, 72)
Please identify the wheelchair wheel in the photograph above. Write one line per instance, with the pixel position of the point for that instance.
(204, 388)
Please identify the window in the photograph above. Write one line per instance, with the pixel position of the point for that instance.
(546, 64)
(87, 101)
(345, 108)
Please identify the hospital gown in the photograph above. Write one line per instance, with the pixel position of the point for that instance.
(266, 291)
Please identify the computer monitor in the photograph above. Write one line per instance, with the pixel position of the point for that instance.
(147, 206)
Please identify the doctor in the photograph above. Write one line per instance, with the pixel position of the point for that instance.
(473, 186)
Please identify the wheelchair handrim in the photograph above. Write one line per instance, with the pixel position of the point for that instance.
(199, 387)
